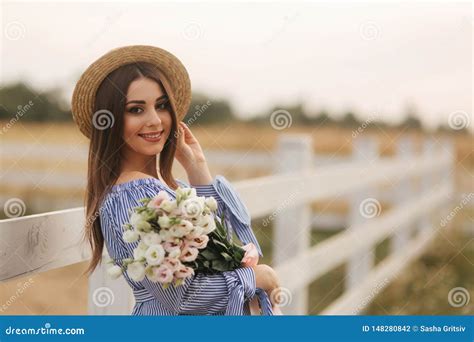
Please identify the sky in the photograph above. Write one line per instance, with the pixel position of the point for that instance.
(374, 58)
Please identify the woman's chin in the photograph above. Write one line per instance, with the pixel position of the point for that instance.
(154, 151)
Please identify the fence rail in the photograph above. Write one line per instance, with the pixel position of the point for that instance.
(422, 190)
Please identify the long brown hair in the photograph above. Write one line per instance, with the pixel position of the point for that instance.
(105, 149)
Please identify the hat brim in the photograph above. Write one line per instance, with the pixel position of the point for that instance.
(178, 84)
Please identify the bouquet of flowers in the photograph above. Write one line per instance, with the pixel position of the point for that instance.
(176, 239)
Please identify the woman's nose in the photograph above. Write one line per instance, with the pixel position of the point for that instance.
(154, 117)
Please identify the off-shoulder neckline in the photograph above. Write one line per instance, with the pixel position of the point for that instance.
(144, 181)
(138, 181)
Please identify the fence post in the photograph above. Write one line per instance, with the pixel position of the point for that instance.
(446, 176)
(364, 205)
(293, 223)
(402, 192)
(427, 182)
(106, 295)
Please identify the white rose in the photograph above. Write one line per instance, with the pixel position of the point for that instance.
(143, 226)
(151, 238)
(130, 236)
(181, 229)
(166, 235)
(186, 225)
(185, 193)
(207, 223)
(114, 272)
(174, 253)
(164, 221)
(211, 203)
(139, 253)
(135, 219)
(168, 205)
(136, 271)
(192, 207)
(195, 232)
(155, 254)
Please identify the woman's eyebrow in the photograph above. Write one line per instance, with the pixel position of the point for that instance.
(143, 102)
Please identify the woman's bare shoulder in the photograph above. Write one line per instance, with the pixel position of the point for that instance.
(129, 176)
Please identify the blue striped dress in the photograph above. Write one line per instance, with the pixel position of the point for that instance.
(226, 293)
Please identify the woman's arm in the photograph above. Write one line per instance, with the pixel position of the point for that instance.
(229, 202)
(191, 156)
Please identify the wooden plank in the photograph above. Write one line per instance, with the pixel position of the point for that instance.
(38, 243)
(261, 195)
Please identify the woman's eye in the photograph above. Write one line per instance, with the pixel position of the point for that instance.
(162, 106)
(134, 110)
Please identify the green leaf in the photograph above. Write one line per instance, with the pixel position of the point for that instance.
(209, 255)
(226, 256)
(220, 265)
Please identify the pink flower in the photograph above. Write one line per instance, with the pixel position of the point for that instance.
(162, 274)
(156, 201)
(199, 242)
(183, 272)
(172, 263)
(189, 253)
(169, 246)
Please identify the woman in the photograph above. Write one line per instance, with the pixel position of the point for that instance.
(130, 103)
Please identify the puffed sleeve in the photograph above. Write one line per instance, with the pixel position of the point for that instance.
(230, 203)
(198, 295)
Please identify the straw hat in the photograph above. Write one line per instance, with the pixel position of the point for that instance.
(173, 75)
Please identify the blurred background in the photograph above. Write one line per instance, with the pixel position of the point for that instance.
(333, 71)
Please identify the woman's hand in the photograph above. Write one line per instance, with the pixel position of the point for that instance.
(188, 149)
(251, 256)
(190, 155)
(267, 279)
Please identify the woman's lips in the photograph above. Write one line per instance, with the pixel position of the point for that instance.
(151, 137)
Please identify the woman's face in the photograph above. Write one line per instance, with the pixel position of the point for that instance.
(147, 119)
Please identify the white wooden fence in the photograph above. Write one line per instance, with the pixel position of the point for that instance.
(422, 191)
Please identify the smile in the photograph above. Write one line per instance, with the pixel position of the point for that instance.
(152, 137)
